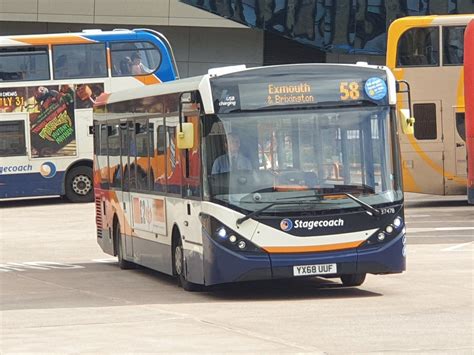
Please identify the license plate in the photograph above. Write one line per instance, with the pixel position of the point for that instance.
(321, 269)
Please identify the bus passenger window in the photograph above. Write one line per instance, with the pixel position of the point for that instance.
(158, 157)
(79, 61)
(115, 168)
(453, 45)
(12, 138)
(143, 161)
(419, 47)
(24, 63)
(134, 58)
(425, 121)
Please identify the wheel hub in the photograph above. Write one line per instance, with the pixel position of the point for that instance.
(81, 185)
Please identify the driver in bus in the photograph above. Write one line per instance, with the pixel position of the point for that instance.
(233, 159)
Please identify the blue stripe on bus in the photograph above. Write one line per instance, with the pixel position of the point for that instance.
(34, 184)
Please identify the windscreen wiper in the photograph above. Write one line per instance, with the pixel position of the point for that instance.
(370, 210)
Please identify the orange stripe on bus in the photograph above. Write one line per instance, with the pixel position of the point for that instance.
(313, 248)
(148, 79)
(54, 40)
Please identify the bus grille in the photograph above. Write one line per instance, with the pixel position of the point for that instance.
(98, 216)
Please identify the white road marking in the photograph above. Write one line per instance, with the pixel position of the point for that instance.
(105, 261)
(457, 247)
(37, 265)
(443, 229)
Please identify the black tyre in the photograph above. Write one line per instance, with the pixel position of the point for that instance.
(122, 263)
(178, 266)
(79, 184)
(353, 279)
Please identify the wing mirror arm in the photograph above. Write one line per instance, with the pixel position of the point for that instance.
(406, 117)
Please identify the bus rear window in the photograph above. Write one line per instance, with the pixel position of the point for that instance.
(24, 63)
(419, 47)
(71, 61)
(12, 138)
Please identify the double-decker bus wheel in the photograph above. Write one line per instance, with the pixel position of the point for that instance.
(79, 185)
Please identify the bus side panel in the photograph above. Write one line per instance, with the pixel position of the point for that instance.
(33, 184)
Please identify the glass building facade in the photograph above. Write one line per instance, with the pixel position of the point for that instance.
(334, 26)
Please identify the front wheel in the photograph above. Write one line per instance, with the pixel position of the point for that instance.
(178, 257)
(79, 185)
(353, 279)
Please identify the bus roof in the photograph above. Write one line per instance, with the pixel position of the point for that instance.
(202, 84)
(424, 21)
(86, 36)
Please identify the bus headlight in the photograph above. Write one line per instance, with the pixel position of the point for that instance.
(227, 237)
(397, 222)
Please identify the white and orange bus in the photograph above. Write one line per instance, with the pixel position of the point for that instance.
(314, 189)
(48, 85)
(427, 52)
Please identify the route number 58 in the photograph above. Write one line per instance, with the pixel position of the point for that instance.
(349, 91)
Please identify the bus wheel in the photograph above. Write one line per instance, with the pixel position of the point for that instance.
(123, 264)
(79, 186)
(353, 279)
(178, 261)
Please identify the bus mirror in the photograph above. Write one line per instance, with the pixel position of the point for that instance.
(408, 123)
(185, 135)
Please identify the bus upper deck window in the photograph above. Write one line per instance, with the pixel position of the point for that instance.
(79, 61)
(419, 47)
(453, 45)
(134, 58)
(24, 63)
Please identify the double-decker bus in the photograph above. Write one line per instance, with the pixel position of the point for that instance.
(48, 85)
(469, 95)
(427, 52)
(252, 174)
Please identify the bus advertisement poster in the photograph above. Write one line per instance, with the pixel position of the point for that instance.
(149, 214)
(52, 128)
(51, 114)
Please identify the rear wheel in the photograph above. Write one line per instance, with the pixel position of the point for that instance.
(178, 264)
(123, 264)
(353, 279)
(79, 186)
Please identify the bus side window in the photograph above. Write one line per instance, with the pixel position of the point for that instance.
(115, 167)
(24, 63)
(143, 160)
(12, 138)
(419, 47)
(134, 58)
(453, 45)
(158, 170)
(72, 61)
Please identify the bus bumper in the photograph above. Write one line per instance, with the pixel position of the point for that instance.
(222, 265)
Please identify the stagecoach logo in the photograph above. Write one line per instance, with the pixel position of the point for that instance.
(287, 224)
(48, 170)
(15, 168)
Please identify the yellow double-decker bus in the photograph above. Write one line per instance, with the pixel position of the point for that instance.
(427, 52)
